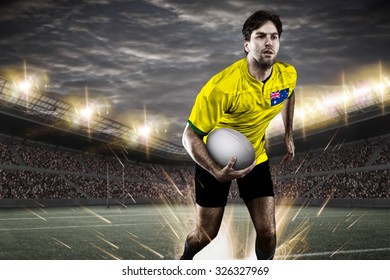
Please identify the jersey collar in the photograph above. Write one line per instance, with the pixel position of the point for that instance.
(248, 76)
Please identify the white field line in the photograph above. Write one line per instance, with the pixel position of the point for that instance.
(335, 253)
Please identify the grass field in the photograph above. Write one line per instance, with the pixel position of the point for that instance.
(156, 232)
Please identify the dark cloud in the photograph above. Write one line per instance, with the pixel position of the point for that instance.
(157, 54)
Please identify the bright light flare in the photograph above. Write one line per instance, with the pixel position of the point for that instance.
(145, 131)
(146, 247)
(330, 196)
(294, 242)
(35, 214)
(236, 238)
(225, 245)
(169, 178)
(25, 86)
(331, 103)
(356, 220)
(61, 243)
(93, 213)
(86, 113)
(106, 252)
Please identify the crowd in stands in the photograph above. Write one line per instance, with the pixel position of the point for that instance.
(371, 184)
(384, 157)
(34, 185)
(47, 158)
(5, 155)
(34, 170)
(295, 187)
(343, 156)
(116, 166)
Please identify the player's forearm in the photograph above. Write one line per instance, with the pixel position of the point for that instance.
(197, 150)
(288, 115)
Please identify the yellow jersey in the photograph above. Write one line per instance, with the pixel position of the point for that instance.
(235, 99)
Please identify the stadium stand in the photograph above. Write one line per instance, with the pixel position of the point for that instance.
(33, 170)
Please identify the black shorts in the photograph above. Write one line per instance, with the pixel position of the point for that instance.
(211, 193)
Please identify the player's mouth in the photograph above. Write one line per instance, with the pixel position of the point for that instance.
(268, 52)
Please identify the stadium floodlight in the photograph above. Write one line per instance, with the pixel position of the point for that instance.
(380, 87)
(86, 113)
(25, 86)
(145, 131)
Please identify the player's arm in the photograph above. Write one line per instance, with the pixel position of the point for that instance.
(288, 116)
(196, 148)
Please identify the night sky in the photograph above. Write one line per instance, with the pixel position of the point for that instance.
(154, 56)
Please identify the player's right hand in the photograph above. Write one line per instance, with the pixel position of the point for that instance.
(228, 173)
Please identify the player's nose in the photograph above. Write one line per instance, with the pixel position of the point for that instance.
(268, 41)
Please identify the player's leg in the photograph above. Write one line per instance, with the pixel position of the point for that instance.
(207, 227)
(262, 212)
(256, 189)
(211, 199)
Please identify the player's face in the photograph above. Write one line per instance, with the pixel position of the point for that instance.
(264, 44)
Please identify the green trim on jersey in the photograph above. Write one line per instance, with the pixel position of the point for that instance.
(196, 130)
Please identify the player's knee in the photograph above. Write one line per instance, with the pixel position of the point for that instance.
(268, 235)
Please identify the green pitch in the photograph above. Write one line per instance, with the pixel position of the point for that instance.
(139, 232)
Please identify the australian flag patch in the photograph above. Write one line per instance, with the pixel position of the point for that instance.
(279, 96)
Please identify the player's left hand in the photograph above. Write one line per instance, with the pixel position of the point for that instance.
(289, 142)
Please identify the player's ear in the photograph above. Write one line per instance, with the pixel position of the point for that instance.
(246, 46)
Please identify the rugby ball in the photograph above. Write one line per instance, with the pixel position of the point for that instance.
(224, 143)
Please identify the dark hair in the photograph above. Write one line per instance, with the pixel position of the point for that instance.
(257, 19)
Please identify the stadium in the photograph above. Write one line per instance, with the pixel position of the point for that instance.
(75, 184)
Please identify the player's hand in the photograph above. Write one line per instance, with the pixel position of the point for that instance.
(228, 173)
(289, 142)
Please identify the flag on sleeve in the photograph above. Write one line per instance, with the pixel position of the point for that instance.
(279, 96)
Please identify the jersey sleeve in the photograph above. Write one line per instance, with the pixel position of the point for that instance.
(291, 94)
(292, 74)
(208, 109)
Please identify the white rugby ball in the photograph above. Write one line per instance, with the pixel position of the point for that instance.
(224, 143)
